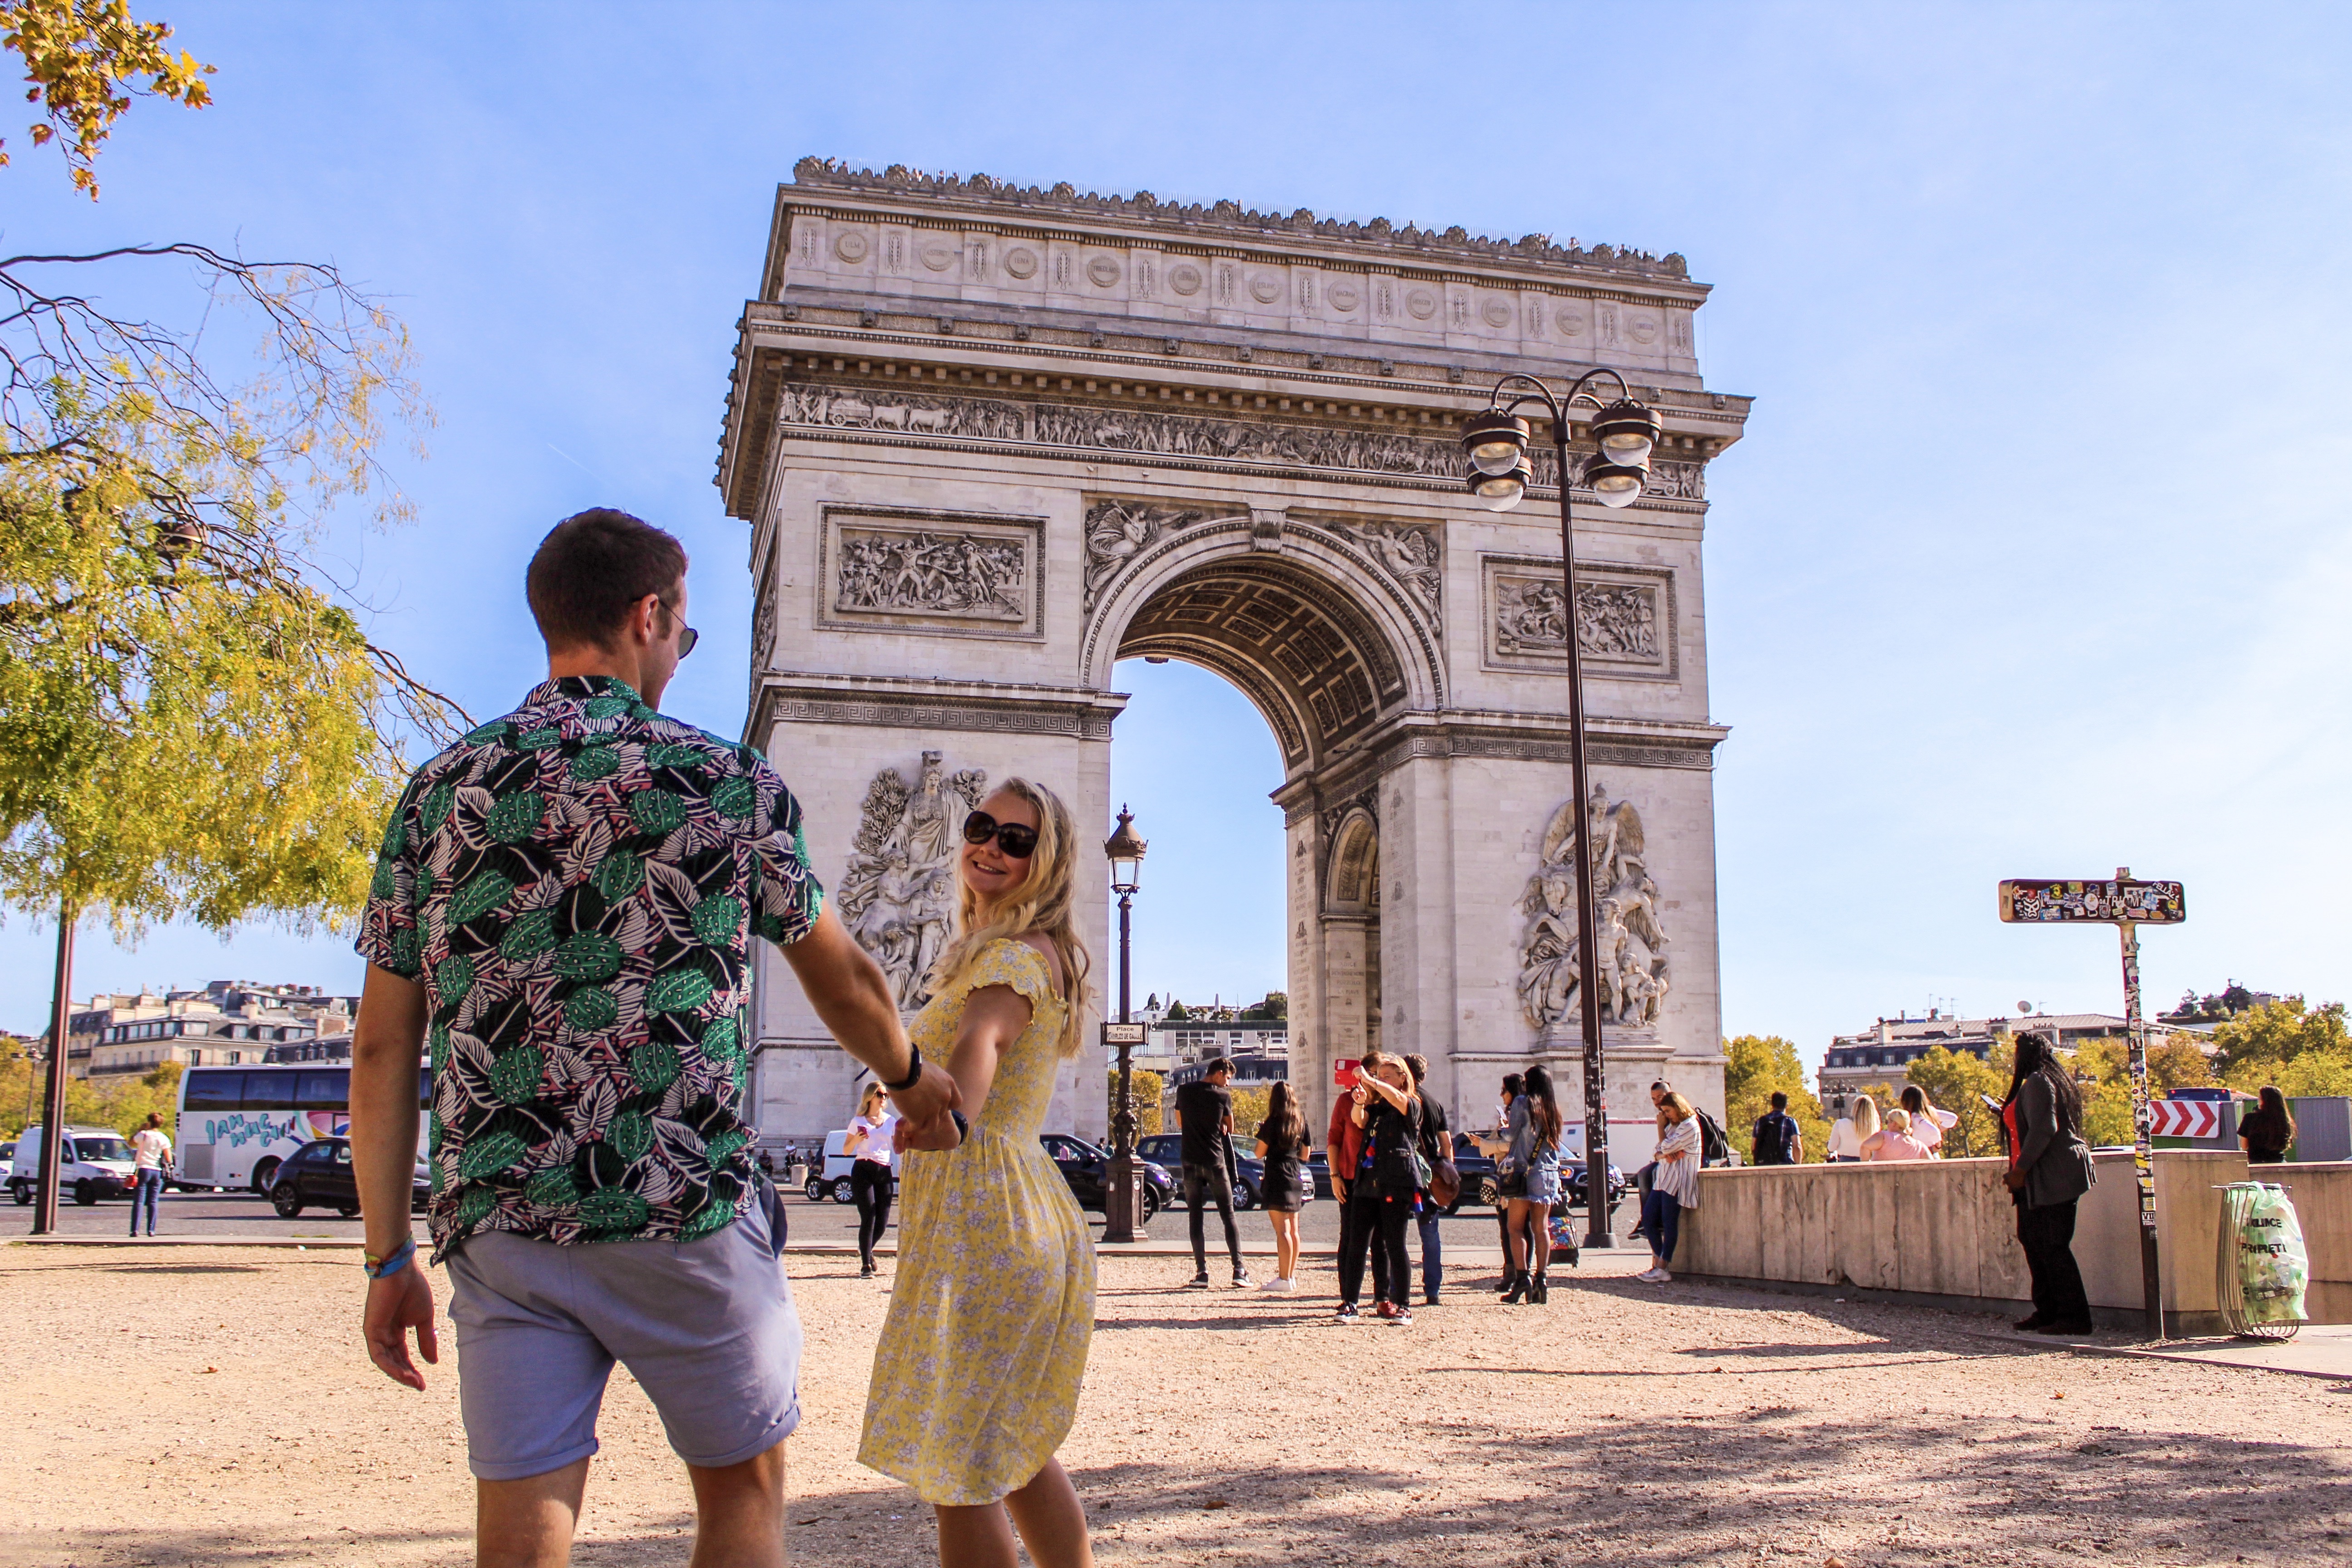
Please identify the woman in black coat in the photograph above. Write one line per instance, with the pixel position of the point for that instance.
(2049, 1172)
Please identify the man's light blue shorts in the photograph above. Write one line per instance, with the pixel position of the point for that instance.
(707, 1327)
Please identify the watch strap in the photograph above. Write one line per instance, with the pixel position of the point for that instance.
(914, 1069)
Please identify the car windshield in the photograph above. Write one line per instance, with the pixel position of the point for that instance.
(101, 1149)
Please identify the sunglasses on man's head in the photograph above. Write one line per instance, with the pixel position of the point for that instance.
(1014, 838)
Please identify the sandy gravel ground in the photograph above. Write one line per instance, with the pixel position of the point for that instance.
(213, 1407)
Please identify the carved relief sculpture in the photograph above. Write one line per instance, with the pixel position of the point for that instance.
(1165, 434)
(1635, 972)
(1410, 555)
(1118, 531)
(950, 574)
(898, 898)
(1614, 619)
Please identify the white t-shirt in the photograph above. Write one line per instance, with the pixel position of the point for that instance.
(1844, 1143)
(880, 1136)
(150, 1148)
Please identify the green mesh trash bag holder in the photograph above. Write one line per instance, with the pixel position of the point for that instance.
(2263, 1268)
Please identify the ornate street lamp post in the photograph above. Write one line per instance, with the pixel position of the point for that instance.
(1500, 473)
(1123, 1204)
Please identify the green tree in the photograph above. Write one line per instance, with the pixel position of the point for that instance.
(1754, 1067)
(1178, 1013)
(1147, 1086)
(2304, 1050)
(120, 1103)
(192, 721)
(86, 61)
(1955, 1082)
(1250, 1106)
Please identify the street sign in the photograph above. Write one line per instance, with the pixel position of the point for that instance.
(2111, 902)
(1122, 1033)
(2126, 904)
(2184, 1119)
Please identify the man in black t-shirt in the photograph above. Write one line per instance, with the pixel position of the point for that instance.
(1205, 1113)
(1778, 1140)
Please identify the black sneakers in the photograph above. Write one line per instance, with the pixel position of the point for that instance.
(1200, 1281)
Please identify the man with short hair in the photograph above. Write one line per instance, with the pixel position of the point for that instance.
(1204, 1114)
(562, 912)
(1778, 1139)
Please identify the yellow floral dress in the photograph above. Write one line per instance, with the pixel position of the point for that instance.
(977, 1375)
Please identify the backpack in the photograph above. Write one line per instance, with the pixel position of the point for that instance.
(1713, 1148)
(1774, 1140)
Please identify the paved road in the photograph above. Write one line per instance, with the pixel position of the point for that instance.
(226, 1215)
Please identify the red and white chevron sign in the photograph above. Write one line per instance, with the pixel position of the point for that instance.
(2186, 1118)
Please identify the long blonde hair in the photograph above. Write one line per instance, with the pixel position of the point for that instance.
(1045, 901)
(1865, 1116)
(874, 1091)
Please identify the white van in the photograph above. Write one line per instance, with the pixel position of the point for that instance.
(831, 1180)
(95, 1163)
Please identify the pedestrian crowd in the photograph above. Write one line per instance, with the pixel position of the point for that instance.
(561, 922)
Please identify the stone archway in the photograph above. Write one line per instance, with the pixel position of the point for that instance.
(989, 441)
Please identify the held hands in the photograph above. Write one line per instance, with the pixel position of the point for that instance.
(396, 1304)
(924, 1108)
(928, 1100)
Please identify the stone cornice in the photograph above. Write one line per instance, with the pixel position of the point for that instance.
(1610, 742)
(913, 702)
(1227, 222)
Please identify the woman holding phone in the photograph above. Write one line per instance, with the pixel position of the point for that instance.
(976, 1376)
(869, 1145)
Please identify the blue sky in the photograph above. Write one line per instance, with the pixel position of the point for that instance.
(2034, 561)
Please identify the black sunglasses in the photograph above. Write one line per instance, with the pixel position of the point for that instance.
(1013, 837)
(686, 635)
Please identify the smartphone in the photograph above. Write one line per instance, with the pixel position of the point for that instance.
(1344, 1074)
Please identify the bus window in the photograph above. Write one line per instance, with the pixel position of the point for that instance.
(272, 1091)
(214, 1091)
(327, 1089)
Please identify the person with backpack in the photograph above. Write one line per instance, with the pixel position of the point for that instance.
(1777, 1139)
(2049, 1172)
(1714, 1142)
(1674, 1187)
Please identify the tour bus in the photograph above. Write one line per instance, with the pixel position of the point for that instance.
(237, 1125)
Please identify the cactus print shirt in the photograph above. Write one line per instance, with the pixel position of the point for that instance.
(575, 887)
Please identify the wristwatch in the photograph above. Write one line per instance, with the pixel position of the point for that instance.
(914, 1069)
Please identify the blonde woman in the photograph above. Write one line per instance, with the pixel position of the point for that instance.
(870, 1145)
(976, 1377)
(1852, 1130)
(1674, 1187)
(1896, 1141)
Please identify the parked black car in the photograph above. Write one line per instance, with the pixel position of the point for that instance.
(319, 1175)
(1167, 1149)
(1088, 1170)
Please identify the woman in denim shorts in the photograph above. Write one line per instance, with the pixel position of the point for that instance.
(1534, 1137)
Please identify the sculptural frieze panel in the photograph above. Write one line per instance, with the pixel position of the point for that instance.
(1625, 616)
(892, 569)
(898, 898)
(1152, 432)
(1634, 973)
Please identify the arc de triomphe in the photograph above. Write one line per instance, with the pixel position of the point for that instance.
(991, 440)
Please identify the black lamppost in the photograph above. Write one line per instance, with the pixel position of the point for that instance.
(1123, 1204)
(1497, 442)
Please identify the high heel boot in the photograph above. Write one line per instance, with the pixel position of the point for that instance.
(1540, 1291)
(1520, 1283)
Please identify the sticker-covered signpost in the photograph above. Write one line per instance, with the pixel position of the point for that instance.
(2126, 905)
